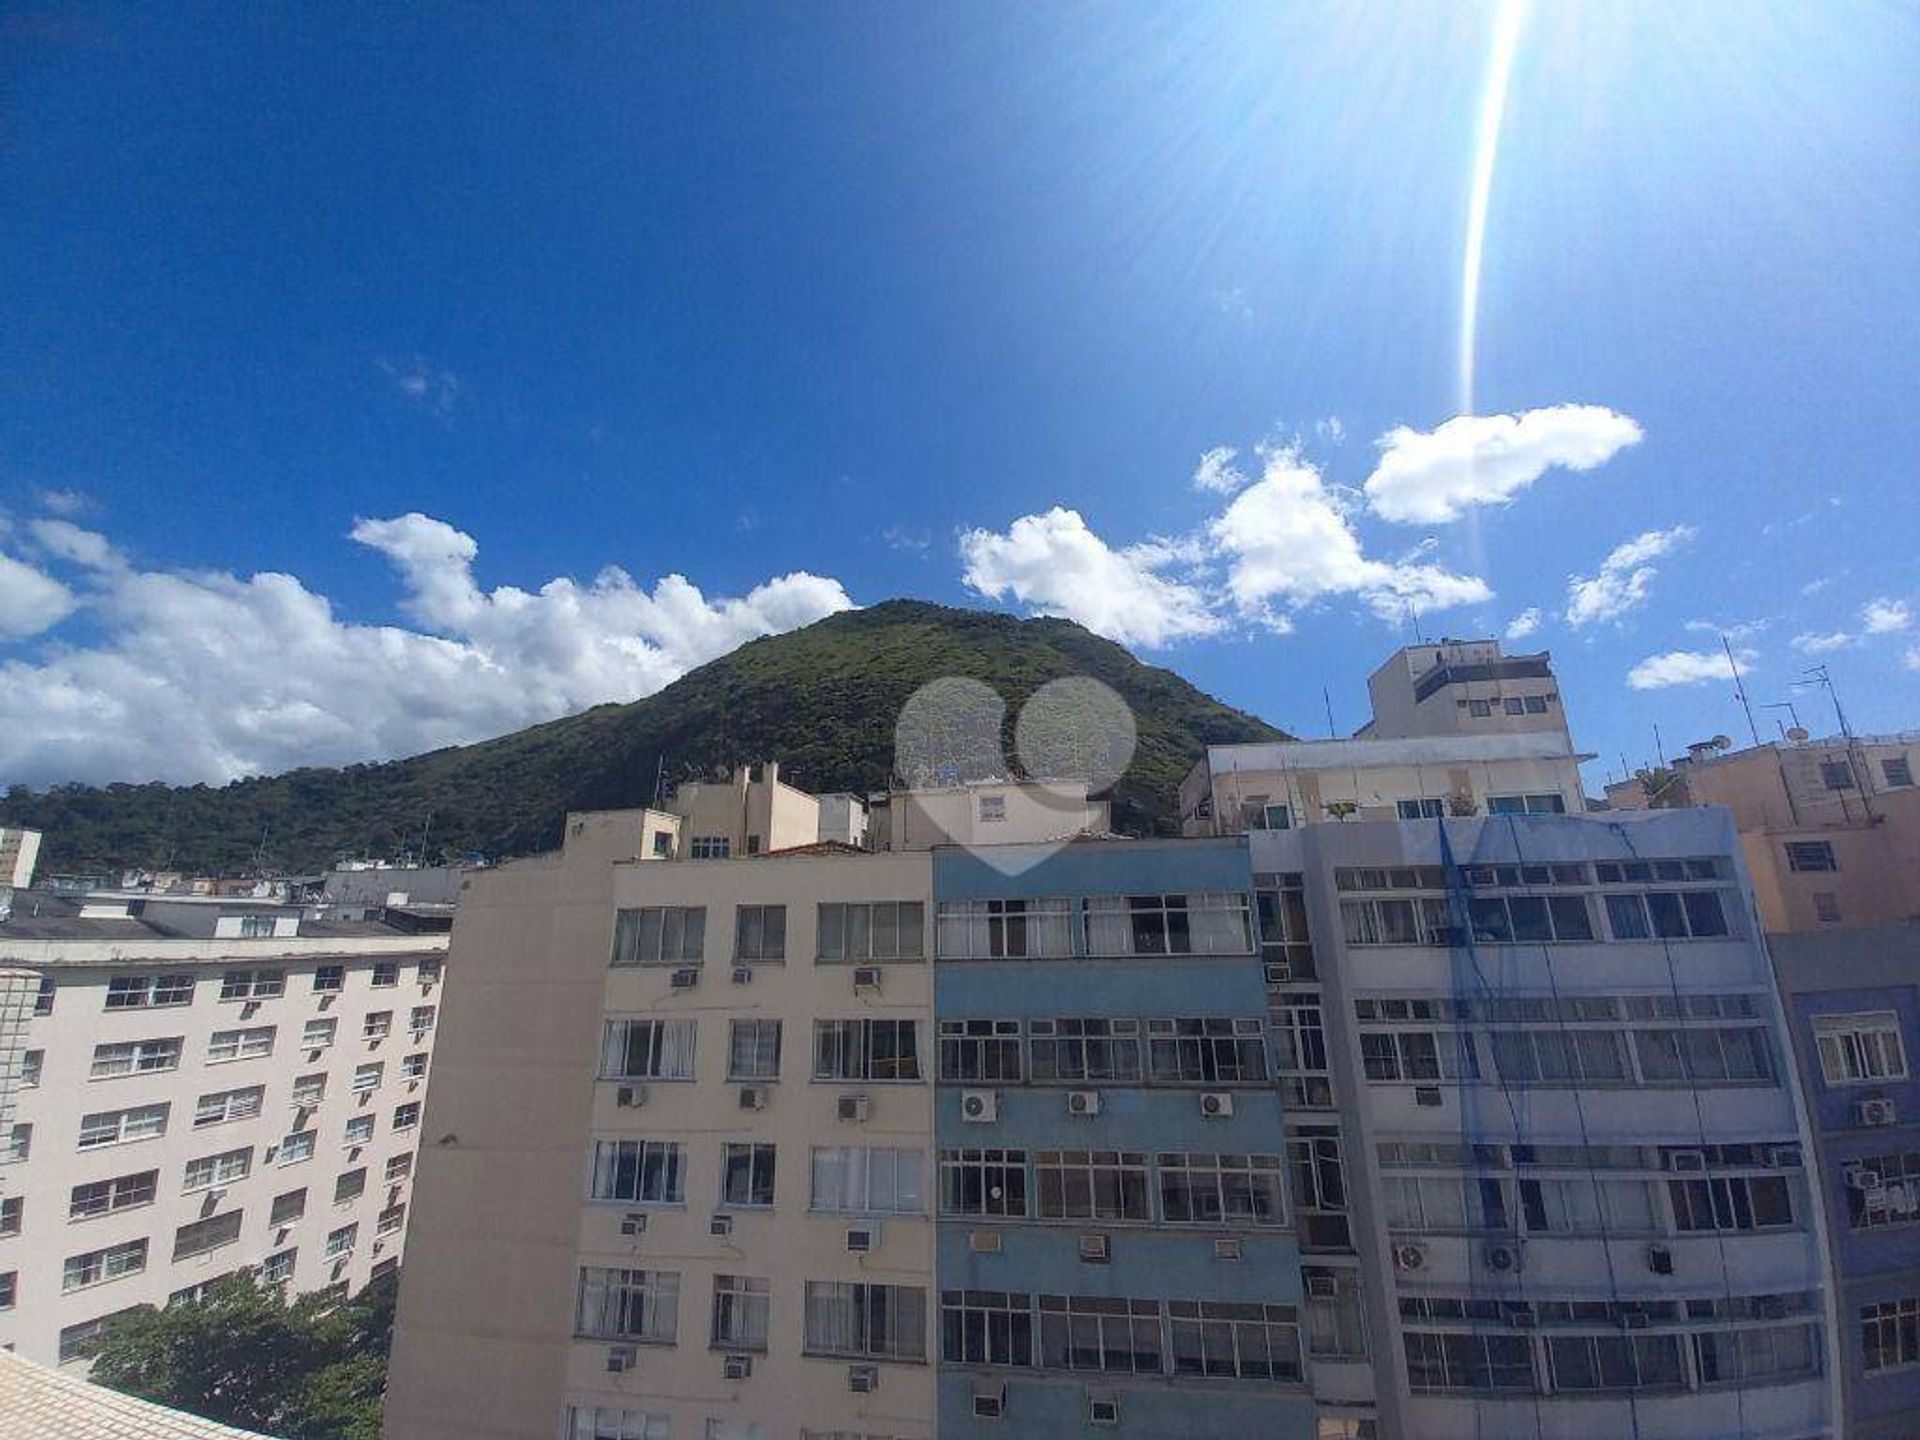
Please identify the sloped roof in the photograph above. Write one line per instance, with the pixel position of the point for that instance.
(50, 1404)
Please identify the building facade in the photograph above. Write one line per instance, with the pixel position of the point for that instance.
(1463, 687)
(204, 1087)
(1853, 1002)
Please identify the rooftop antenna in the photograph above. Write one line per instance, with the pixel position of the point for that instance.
(1792, 714)
(1326, 697)
(1822, 678)
(1658, 749)
(1740, 688)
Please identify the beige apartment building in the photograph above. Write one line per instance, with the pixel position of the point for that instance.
(1463, 687)
(19, 852)
(203, 1086)
(1831, 828)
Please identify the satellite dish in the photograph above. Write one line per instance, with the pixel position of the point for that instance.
(1797, 735)
(1721, 742)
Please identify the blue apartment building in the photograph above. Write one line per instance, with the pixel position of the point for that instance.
(1115, 1254)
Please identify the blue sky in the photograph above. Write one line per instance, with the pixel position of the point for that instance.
(346, 349)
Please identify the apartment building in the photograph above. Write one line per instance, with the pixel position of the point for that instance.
(1539, 1098)
(203, 1086)
(1831, 828)
(19, 852)
(1463, 687)
(1853, 1003)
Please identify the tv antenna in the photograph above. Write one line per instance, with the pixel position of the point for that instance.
(1739, 687)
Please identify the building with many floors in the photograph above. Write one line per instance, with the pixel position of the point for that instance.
(1853, 1003)
(1464, 687)
(203, 1085)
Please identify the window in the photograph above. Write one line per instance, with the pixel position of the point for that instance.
(1666, 915)
(1273, 817)
(207, 1171)
(760, 932)
(414, 1067)
(983, 1182)
(1210, 1050)
(340, 1242)
(986, 1327)
(1898, 770)
(82, 1341)
(105, 1197)
(32, 1063)
(600, 1423)
(709, 847)
(399, 1168)
(1479, 709)
(406, 1116)
(1535, 704)
(753, 1050)
(224, 1106)
(297, 1147)
(640, 1172)
(1515, 706)
(386, 974)
(256, 927)
(287, 1207)
(1085, 1050)
(1425, 1204)
(136, 1057)
(862, 1179)
(19, 1143)
(1473, 1364)
(1527, 919)
(746, 1175)
(367, 1077)
(877, 1322)
(861, 934)
(1336, 1328)
(1860, 1049)
(359, 1130)
(203, 1236)
(9, 1289)
(1837, 774)
(660, 935)
(12, 1209)
(329, 979)
(1732, 1202)
(1894, 1196)
(390, 1221)
(629, 1305)
(428, 970)
(741, 1308)
(1890, 1334)
(1429, 809)
(420, 1020)
(1091, 1185)
(1811, 855)
(253, 984)
(879, 1050)
(1227, 1340)
(277, 1268)
(1006, 929)
(250, 1044)
(1550, 804)
(980, 1050)
(647, 1050)
(148, 992)
(1203, 1188)
(1085, 1332)
(350, 1186)
(993, 808)
(1559, 1057)
(1205, 924)
(1587, 1363)
(112, 1127)
(1587, 1206)
(43, 998)
(1703, 1056)
(1749, 1356)
(318, 1034)
(309, 1090)
(1413, 921)
(377, 1026)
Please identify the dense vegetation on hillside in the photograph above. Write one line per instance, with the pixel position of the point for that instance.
(823, 701)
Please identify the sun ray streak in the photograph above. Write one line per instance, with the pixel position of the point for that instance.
(1508, 22)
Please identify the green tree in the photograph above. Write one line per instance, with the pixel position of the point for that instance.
(245, 1355)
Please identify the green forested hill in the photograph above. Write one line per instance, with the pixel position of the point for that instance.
(822, 701)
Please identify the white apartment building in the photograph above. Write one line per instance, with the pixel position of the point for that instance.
(1463, 687)
(203, 1086)
(19, 851)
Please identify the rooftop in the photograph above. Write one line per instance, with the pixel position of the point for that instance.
(1369, 754)
(58, 915)
(48, 1404)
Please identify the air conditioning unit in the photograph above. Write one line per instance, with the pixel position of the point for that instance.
(1095, 1249)
(863, 1379)
(720, 1225)
(863, 1240)
(1687, 1161)
(619, 1358)
(1227, 1247)
(1216, 1104)
(685, 978)
(1660, 1259)
(866, 977)
(1784, 1157)
(1103, 1410)
(1083, 1102)
(743, 974)
(1504, 1257)
(1322, 1283)
(1409, 1257)
(853, 1107)
(979, 1107)
(1876, 1112)
(1860, 1178)
(630, 1097)
(736, 1367)
(633, 1224)
(1279, 972)
(753, 1097)
(990, 1404)
(984, 1242)
(1428, 1096)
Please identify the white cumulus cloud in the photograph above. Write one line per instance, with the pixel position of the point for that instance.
(1625, 579)
(207, 677)
(1815, 642)
(1056, 565)
(1885, 617)
(1686, 667)
(1431, 476)
(30, 600)
(1217, 474)
(1525, 624)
